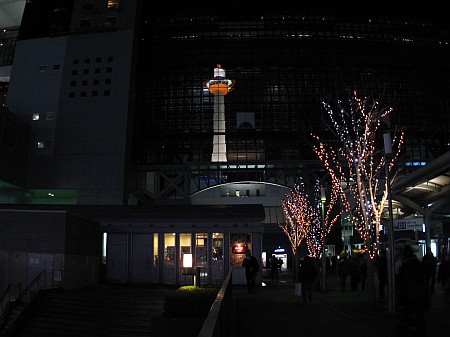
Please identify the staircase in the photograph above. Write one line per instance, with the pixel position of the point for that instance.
(104, 310)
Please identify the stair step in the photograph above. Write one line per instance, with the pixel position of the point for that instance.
(97, 311)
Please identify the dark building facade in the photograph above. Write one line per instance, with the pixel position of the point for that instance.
(115, 95)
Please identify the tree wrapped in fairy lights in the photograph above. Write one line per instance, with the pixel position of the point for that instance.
(357, 164)
(296, 208)
(319, 229)
(304, 218)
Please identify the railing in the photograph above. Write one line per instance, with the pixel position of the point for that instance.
(15, 306)
(220, 318)
(11, 293)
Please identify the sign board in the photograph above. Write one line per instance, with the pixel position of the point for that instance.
(238, 249)
(408, 224)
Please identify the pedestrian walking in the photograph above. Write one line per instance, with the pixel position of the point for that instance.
(353, 267)
(251, 266)
(413, 296)
(342, 270)
(362, 270)
(307, 273)
(429, 262)
(444, 276)
(381, 264)
(274, 275)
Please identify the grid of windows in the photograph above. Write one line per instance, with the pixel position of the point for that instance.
(8, 38)
(91, 77)
(284, 68)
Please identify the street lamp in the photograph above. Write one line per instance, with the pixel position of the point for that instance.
(390, 256)
(323, 198)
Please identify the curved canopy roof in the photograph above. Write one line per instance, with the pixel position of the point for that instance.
(427, 187)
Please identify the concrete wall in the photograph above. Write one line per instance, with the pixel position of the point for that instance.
(66, 247)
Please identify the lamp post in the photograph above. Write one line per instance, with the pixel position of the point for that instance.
(391, 254)
(188, 264)
(323, 198)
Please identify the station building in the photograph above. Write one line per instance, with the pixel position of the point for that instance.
(112, 96)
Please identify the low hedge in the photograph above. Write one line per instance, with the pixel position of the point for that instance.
(190, 301)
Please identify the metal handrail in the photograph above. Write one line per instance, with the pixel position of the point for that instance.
(24, 297)
(218, 321)
(6, 295)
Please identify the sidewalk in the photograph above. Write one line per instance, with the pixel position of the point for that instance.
(274, 310)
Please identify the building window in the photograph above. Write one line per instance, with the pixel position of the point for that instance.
(86, 71)
(87, 60)
(50, 115)
(83, 94)
(71, 94)
(113, 3)
(107, 81)
(110, 20)
(110, 59)
(95, 93)
(42, 68)
(40, 144)
(35, 117)
(73, 83)
(56, 66)
(76, 61)
(74, 72)
(108, 70)
(106, 92)
(87, 6)
(97, 70)
(84, 82)
(98, 60)
(85, 23)
(96, 82)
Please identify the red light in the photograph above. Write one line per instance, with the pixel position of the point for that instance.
(238, 249)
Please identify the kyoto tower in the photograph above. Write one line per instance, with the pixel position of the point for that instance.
(219, 86)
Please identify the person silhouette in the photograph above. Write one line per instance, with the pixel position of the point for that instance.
(429, 262)
(413, 296)
(251, 266)
(306, 275)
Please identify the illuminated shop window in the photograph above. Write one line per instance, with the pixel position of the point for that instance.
(169, 249)
(217, 246)
(185, 244)
(201, 249)
(155, 249)
(240, 244)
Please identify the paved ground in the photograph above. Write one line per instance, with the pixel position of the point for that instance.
(274, 310)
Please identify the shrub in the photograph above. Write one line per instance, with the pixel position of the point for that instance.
(190, 301)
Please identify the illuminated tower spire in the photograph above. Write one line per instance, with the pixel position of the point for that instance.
(219, 86)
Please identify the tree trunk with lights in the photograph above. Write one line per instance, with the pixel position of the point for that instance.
(356, 167)
(305, 220)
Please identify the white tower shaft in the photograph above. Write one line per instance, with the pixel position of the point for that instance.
(219, 153)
